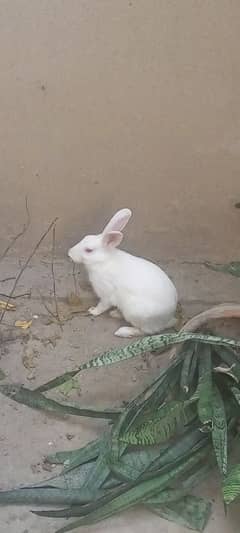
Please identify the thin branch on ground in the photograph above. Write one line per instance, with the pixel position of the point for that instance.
(20, 234)
(23, 295)
(7, 279)
(19, 275)
(74, 278)
(46, 307)
(53, 277)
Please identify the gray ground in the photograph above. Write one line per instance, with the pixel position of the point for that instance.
(26, 436)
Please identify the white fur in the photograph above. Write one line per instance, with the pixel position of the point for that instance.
(126, 332)
(138, 288)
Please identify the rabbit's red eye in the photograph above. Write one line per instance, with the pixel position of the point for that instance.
(88, 250)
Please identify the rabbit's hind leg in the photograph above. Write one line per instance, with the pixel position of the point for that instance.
(127, 332)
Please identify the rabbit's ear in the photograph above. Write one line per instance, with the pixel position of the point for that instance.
(112, 239)
(118, 221)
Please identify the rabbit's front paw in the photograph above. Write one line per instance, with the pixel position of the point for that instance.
(100, 308)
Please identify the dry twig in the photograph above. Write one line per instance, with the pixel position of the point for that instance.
(46, 306)
(19, 275)
(74, 278)
(20, 234)
(23, 295)
(53, 277)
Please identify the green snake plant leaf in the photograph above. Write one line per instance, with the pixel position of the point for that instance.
(219, 430)
(134, 463)
(139, 409)
(142, 406)
(191, 440)
(101, 470)
(156, 450)
(146, 344)
(168, 420)
(36, 400)
(236, 394)
(231, 485)
(165, 495)
(189, 366)
(193, 479)
(205, 389)
(191, 512)
(73, 458)
(49, 496)
(137, 494)
(73, 479)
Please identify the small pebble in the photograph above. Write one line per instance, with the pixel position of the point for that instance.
(70, 436)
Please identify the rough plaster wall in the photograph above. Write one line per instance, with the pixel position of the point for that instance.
(107, 103)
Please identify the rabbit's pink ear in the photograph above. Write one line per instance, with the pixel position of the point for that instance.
(112, 239)
(118, 221)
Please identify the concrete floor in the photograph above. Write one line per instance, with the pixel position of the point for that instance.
(26, 436)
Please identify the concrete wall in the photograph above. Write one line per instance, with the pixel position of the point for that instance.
(110, 103)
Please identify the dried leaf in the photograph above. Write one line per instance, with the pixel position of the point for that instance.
(7, 305)
(23, 324)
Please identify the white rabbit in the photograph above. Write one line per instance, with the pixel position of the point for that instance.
(139, 289)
